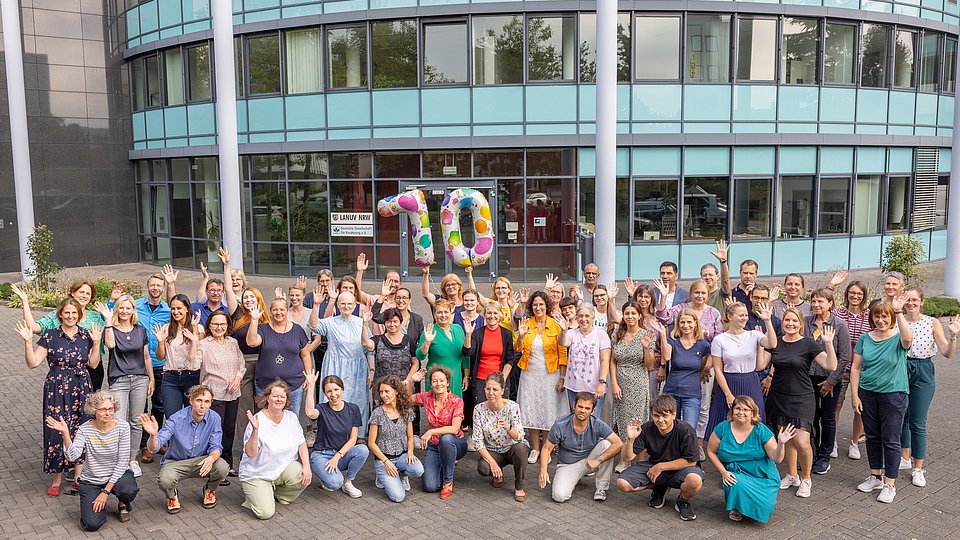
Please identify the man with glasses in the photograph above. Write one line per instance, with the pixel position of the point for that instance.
(758, 296)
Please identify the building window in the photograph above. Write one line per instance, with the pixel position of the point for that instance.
(498, 50)
(658, 47)
(950, 66)
(397, 165)
(347, 50)
(751, 207)
(351, 165)
(394, 49)
(263, 63)
(834, 205)
(198, 72)
(173, 69)
(798, 59)
(355, 196)
(796, 207)
(309, 211)
(898, 193)
(903, 59)
(303, 61)
(496, 163)
(152, 68)
(588, 47)
(943, 196)
(839, 46)
(866, 205)
(654, 209)
(756, 49)
(929, 62)
(551, 211)
(137, 84)
(874, 49)
(551, 48)
(588, 208)
(445, 53)
(705, 208)
(269, 211)
(238, 64)
(446, 165)
(708, 48)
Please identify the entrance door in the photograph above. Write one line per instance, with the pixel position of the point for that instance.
(434, 193)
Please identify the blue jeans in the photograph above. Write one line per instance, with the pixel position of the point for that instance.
(439, 461)
(688, 410)
(394, 485)
(173, 389)
(349, 463)
(572, 398)
(295, 398)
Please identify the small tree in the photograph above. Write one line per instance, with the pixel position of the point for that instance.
(39, 249)
(904, 254)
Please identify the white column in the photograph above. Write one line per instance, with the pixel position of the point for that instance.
(231, 211)
(606, 199)
(951, 275)
(20, 142)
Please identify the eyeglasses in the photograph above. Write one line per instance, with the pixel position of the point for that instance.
(219, 324)
(105, 409)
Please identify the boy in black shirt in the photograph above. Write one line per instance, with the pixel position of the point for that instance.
(669, 451)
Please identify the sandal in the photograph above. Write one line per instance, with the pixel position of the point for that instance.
(519, 497)
(53, 491)
(496, 482)
(124, 513)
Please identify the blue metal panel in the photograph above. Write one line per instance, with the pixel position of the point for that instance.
(306, 112)
(762, 252)
(837, 104)
(139, 123)
(348, 109)
(926, 109)
(792, 256)
(155, 124)
(836, 159)
(498, 104)
(901, 160)
(903, 106)
(657, 102)
(706, 160)
(265, 114)
(645, 259)
(706, 102)
(865, 252)
(551, 103)
(945, 111)
(798, 160)
(938, 244)
(446, 131)
(396, 107)
(831, 254)
(871, 159)
(799, 103)
(654, 161)
(754, 160)
(754, 102)
(446, 105)
(692, 256)
(202, 119)
(175, 121)
(169, 13)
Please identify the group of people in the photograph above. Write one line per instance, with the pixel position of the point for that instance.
(315, 382)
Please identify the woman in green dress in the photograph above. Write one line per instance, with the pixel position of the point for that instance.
(441, 344)
(744, 451)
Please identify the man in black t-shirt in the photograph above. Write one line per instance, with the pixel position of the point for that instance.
(669, 454)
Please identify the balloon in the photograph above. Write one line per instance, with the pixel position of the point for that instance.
(454, 203)
(414, 205)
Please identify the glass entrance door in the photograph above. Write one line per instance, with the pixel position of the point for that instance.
(435, 193)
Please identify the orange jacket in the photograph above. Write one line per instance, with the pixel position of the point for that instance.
(556, 355)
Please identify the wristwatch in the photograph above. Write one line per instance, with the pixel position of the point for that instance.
(104, 491)
(600, 458)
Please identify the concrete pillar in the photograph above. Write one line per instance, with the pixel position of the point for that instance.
(951, 275)
(20, 141)
(606, 179)
(231, 210)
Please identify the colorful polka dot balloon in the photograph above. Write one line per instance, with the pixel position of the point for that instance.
(414, 205)
(457, 201)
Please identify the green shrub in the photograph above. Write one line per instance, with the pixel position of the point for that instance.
(39, 249)
(904, 254)
(38, 297)
(5, 291)
(941, 306)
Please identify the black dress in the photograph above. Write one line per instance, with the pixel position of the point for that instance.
(791, 399)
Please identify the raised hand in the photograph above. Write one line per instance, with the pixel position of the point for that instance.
(561, 321)
(252, 420)
(103, 310)
(96, 332)
(149, 424)
(301, 282)
(425, 269)
(661, 286)
(24, 331)
(278, 293)
(786, 433)
(57, 425)
(203, 271)
(646, 339)
(576, 292)
(954, 325)
(419, 375)
(721, 252)
(612, 291)
(552, 281)
(630, 286)
(116, 292)
(362, 263)
(21, 294)
(224, 255)
(523, 327)
(838, 278)
(468, 270)
(829, 332)
(764, 312)
(161, 331)
(367, 317)
(311, 377)
(776, 291)
(524, 294)
(429, 333)
(660, 328)
(169, 274)
(898, 302)
(634, 428)
(188, 334)
(331, 290)
(255, 313)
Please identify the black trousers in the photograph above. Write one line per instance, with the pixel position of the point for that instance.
(125, 489)
(155, 405)
(228, 415)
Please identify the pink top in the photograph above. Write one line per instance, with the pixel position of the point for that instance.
(178, 355)
(219, 365)
(710, 321)
(452, 408)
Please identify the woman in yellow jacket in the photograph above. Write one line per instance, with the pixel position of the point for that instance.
(543, 365)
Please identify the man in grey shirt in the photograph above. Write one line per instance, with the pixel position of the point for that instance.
(584, 444)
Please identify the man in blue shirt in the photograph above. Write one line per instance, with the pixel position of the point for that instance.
(194, 437)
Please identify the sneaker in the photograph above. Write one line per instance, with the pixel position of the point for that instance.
(209, 498)
(600, 495)
(702, 456)
(789, 481)
(887, 493)
(804, 490)
(406, 482)
(833, 453)
(821, 465)
(686, 511)
(658, 496)
(622, 466)
(470, 446)
(378, 483)
(135, 468)
(905, 464)
(173, 504)
(918, 479)
(854, 451)
(590, 474)
(735, 516)
(534, 456)
(351, 490)
(870, 484)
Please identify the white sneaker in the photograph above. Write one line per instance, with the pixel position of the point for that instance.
(854, 451)
(534, 456)
(918, 479)
(789, 482)
(804, 489)
(135, 467)
(905, 464)
(406, 482)
(622, 466)
(470, 446)
(870, 484)
(351, 490)
(378, 483)
(887, 493)
(416, 441)
(833, 453)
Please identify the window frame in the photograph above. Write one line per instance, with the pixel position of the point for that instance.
(684, 73)
(770, 179)
(907, 206)
(818, 204)
(677, 180)
(246, 64)
(417, 26)
(822, 61)
(915, 64)
(575, 17)
(187, 78)
(735, 49)
(887, 82)
(681, 47)
(820, 52)
(325, 55)
(283, 60)
(422, 25)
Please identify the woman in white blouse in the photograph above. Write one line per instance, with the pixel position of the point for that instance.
(222, 368)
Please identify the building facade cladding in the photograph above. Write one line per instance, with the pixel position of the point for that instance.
(79, 136)
(799, 130)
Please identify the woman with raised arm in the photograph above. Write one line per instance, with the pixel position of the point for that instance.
(391, 438)
(68, 351)
(687, 354)
(793, 289)
(856, 315)
(709, 318)
(269, 470)
(177, 347)
(470, 312)
(442, 343)
(588, 356)
(284, 351)
(222, 368)
(250, 299)
(394, 352)
(631, 360)
(451, 289)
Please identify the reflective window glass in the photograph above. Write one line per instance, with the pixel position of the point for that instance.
(950, 66)
(446, 164)
(588, 208)
(866, 205)
(269, 211)
(756, 49)
(550, 211)
(394, 46)
(588, 47)
(497, 50)
(492, 163)
(551, 48)
(751, 207)
(198, 72)
(264, 64)
(929, 62)
(705, 208)
(834, 206)
(303, 61)
(173, 67)
(798, 59)
(445, 53)
(838, 53)
(658, 47)
(351, 165)
(874, 48)
(347, 61)
(654, 209)
(356, 196)
(152, 68)
(795, 218)
(397, 165)
(309, 211)
(708, 48)
(903, 59)
(898, 195)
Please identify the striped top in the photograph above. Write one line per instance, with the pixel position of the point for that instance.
(107, 454)
(857, 323)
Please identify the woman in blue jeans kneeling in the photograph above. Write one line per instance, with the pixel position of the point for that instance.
(391, 439)
(443, 441)
(336, 458)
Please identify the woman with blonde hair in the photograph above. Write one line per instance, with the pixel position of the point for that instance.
(686, 352)
(451, 288)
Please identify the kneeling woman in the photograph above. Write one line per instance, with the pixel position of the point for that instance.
(391, 439)
(269, 470)
(443, 441)
(744, 452)
(498, 436)
(336, 457)
(105, 441)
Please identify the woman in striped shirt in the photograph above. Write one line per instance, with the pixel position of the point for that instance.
(857, 317)
(105, 442)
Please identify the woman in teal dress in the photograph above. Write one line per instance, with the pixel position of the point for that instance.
(442, 344)
(744, 451)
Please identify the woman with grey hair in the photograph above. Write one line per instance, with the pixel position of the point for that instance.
(105, 443)
(588, 356)
(894, 283)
